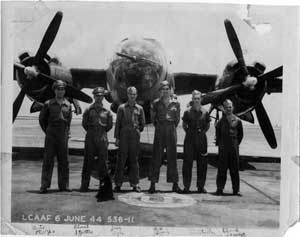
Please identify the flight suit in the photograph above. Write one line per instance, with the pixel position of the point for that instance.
(195, 124)
(97, 121)
(229, 134)
(55, 120)
(130, 123)
(165, 119)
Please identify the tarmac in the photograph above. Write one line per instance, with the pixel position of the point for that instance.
(258, 207)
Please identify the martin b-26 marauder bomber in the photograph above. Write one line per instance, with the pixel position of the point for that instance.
(142, 63)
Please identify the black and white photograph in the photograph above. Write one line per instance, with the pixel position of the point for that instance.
(149, 119)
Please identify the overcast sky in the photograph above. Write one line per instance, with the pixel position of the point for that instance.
(193, 35)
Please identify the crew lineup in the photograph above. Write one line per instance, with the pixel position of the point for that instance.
(142, 89)
(55, 119)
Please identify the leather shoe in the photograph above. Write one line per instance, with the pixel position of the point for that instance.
(186, 191)
(43, 190)
(176, 188)
(237, 193)
(219, 192)
(152, 188)
(136, 189)
(202, 190)
(65, 190)
(83, 189)
(103, 199)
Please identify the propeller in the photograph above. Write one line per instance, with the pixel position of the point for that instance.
(265, 124)
(49, 37)
(33, 66)
(46, 43)
(271, 77)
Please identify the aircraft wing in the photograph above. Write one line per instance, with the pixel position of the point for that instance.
(187, 82)
(88, 78)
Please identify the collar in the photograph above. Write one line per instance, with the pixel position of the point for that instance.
(94, 105)
(197, 111)
(232, 118)
(172, 100)
(128, 105)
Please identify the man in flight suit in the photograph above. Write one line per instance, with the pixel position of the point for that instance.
(165, 113)
(55, 119)
(97, 121)
(129, 124)
(229, 134)
(196, 123)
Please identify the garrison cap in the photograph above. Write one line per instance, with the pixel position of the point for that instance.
(58, 84)
(99, 91)
(164, 83)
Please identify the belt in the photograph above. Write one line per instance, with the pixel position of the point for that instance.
(165, 122)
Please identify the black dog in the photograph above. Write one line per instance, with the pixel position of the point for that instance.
(105, 191)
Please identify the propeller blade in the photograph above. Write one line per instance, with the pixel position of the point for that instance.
(18, 66)
(265, 124)
(217, 96)
(247, 117)
(35, 107)
(74, 93)
(49, 37)
(47, 79)
(17, 103)
(235, 45)
(277, 72)
(274, 86)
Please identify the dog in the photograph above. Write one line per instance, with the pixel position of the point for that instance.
(105, 192)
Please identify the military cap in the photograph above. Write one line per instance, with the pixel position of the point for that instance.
(99, 91)
(164, 83)
(58, 84)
